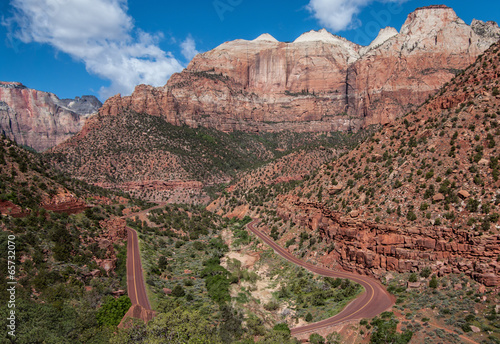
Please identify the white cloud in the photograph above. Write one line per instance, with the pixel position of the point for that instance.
(339, 15)
(102, 35)
(189, 48)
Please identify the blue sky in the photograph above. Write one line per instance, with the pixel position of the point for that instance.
(104, 47)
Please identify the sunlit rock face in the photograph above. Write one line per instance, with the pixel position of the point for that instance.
(319, 82)
(39, 119)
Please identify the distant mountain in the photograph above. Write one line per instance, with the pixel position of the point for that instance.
(41, 120)
(320, 82)
(84, 105)
(422, 192)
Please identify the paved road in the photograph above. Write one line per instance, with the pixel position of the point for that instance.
(372, 302)
(135, 279)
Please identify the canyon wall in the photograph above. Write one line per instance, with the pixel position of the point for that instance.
(39, 119)
(319, 82)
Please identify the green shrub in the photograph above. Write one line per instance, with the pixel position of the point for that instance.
(472, 205)
(178, 291)
(424, 206)
(426, 272)
(385, 331)
(113, 310)
(198, 245)
(433, 283)
(411, 216)
(282, 327)
(316, 339)
(271, 306)
(466, 328)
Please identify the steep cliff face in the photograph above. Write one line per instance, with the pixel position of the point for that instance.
(370, 247)
(319, 82)
(39, 119)
(432, 46)
(260, 85)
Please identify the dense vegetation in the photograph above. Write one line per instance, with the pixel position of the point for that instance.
(60, 287)
(454, 302)
(132, 147)
(28, 178)
(182, 255)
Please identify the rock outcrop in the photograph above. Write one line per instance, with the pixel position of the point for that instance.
(319, 82)
(7, 208)
(364, 246)
(64, 202)
(39, 119)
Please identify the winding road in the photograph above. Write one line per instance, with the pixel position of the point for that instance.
(372, 302)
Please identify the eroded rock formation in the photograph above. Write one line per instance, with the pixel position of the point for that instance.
(363, 246)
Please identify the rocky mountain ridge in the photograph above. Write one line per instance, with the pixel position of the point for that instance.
(320, 82)
(152, 159)
(39, 119)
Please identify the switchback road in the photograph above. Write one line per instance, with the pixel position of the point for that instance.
(372, 302)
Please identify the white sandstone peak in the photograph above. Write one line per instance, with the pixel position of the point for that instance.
(266, 37)
(430, 18)
(321, 35)
(326, 37)
(384, 35)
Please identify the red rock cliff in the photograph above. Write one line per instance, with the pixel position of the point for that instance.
(39, 119)
(320, 82)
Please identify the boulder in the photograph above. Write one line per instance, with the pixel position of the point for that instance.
(475, 329)
(334, 189)
(463, 194)
(438, 197)
(489, 279)
(414, 285)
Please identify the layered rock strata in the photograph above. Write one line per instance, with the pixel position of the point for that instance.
(319, 82)
(364, 246)
(39, 119)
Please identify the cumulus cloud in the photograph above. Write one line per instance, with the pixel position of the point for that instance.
(188, 47)
(101, 34)
(339, 15)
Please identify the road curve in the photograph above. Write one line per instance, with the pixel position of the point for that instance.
(372, 302)
(135, 280)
